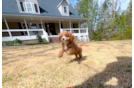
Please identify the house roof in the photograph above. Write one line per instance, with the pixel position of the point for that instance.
(48, 8)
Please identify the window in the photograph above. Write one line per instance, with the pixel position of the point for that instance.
(27, 6)
(33, 26)
(65, 10)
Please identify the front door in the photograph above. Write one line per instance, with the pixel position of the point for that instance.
(52, 28)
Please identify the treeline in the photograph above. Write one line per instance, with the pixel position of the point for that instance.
(106, 20)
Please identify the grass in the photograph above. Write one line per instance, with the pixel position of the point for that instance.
(19, 76)
(6, 79)
(105, 64)
(4, 58)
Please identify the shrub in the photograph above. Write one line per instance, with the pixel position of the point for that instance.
(117, 38)
(17, 42)
(104, 39)
(7, 43)
(128, 33)
(39, 38)
(45, 41)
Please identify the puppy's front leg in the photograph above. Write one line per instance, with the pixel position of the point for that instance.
(61, 53)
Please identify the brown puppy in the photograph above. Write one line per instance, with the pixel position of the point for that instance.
(68, 45)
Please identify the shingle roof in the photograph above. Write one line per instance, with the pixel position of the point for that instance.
(48, 8)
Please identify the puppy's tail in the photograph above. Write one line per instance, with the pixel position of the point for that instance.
(83, 45)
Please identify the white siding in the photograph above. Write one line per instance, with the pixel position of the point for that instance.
(61, 8)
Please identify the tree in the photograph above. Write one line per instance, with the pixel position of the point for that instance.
(105, 21)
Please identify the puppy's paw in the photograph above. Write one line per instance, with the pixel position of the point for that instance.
(59, 56)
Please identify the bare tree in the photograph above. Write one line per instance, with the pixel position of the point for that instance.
(112, 9)
(115, 9)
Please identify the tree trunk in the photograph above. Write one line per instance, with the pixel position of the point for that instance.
(115, 9)
(112, 9)
(112, 14)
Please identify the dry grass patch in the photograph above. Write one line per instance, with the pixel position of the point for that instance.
(104, 64)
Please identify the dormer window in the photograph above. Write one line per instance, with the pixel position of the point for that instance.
(28, 7)
(65, 10)
(63, 7)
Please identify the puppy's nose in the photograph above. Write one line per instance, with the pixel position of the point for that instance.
(63, 39)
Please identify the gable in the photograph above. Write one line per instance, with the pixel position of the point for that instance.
(63, 1)
(63, 8)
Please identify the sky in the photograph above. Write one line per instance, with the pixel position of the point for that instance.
(124, 3)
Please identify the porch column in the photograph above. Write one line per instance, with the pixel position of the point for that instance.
(60, 26)
(87, 32)
(70, 25)
(45, 26)
(87, 27)
(26, 27)
(79, 31)
(41, 24)
(7, 27)
(79, 24)
(42, 27)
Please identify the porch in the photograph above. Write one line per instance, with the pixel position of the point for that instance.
(26, 28)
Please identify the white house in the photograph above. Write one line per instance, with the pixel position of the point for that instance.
(24, 19)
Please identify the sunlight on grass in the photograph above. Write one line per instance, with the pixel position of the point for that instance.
(37, 66)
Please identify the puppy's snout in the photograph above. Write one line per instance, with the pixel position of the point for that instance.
(63, 39)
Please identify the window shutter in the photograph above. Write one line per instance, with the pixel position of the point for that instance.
(36, 7)
(21, 4)
(61, 25)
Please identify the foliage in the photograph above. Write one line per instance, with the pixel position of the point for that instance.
(9, 43)
(15, 42)
(106, 21)
(39, 38)
(45, 41)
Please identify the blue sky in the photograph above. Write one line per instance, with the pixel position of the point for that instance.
(124, 3)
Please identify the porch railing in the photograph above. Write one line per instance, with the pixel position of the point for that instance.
(80, 33)
(30, 34)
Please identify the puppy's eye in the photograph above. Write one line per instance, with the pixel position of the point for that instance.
(66, 35)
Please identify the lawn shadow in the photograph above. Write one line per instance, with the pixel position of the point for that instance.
(121, 71)
(79, 60)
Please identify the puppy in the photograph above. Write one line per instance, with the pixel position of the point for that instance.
(68, 44)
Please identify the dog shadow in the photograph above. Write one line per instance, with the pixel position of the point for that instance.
(79, 60)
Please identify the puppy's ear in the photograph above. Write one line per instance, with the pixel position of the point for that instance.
(59, 38)
(72, 37)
